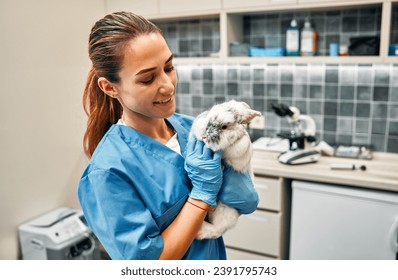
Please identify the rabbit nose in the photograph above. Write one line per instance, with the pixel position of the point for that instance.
(212, 134)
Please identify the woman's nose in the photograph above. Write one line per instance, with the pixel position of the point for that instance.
(167, 84)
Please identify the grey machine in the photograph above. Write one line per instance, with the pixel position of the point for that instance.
(61, 234)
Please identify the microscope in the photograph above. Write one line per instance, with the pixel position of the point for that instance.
(301, 137)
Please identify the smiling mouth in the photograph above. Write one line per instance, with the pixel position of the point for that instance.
(163, 101)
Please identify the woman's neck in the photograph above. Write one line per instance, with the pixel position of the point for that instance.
(158, 129)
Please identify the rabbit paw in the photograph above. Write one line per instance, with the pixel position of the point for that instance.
(208, 231)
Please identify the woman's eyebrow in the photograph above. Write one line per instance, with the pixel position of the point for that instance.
(153, 68)
(170, 59)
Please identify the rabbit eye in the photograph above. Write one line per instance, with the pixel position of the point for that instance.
(224, 127)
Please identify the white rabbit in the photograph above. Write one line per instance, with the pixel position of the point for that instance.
(223, 127)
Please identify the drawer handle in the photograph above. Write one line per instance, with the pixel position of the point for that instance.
(261, 186)
(257, 218)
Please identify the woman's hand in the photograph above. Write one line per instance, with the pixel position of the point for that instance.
(204, 169)
(237, 191)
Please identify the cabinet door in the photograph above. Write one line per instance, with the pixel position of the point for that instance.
(178, 6)
(254, 3)
(333, 222)
(145, 8)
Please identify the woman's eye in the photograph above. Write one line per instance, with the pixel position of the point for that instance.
(148, 81)
(169, 69)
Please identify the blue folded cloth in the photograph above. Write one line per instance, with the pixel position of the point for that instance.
(254, 51)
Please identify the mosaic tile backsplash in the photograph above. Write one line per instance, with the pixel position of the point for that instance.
(192, 38)
(351, 104)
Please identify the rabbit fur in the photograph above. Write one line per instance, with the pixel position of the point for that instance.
(224, 127)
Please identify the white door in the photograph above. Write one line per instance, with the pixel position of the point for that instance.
(337, 222)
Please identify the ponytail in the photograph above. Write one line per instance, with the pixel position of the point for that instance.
(108, 38)
(102, 112)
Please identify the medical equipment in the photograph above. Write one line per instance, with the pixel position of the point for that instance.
(61, 234)
(301, 137)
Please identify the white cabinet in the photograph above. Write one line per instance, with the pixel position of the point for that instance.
(335, 1)
(234, 254)
(231, 14)
(340, 222)
(258, 232)
(254, 3)
(145, 8)
(162, 8)
(270, 193)
(262, 234)
(183, 6)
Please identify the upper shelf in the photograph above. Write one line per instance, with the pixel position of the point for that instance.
(287, 60)
(201, 31)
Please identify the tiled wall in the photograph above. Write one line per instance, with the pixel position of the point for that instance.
(192, 38)
(351, 104)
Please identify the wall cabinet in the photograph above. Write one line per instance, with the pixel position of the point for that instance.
(181, 6)
(333, 1)
(148, 8)
(230, 4)
(262, 234)
(169, 9)
(232, 19)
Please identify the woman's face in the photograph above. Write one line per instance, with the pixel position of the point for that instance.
(147, 86)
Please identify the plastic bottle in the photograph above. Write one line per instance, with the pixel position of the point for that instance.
(309, 45)
(343, 50)
(293, 39)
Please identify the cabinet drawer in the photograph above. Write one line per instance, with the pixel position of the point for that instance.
(257, 232)
(233, 254)
(269, 192)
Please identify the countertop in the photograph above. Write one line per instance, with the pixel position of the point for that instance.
(381, 171)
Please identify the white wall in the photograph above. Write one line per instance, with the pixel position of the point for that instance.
(43, 66)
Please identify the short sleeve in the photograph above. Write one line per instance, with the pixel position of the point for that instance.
(118, 217)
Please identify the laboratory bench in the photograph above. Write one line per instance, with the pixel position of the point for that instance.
(381, 171)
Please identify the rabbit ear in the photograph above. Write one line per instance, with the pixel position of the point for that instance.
(242, 112)
(249, 115)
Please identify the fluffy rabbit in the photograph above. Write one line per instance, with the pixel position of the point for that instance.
(223, 127)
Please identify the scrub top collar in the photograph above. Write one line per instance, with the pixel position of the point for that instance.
(152, 144)
(182, 133)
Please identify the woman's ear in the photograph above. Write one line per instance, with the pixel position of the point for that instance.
(107, 87)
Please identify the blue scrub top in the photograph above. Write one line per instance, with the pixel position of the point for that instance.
(133, 188)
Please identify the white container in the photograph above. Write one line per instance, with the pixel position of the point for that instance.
(293, 39)
(309, 42)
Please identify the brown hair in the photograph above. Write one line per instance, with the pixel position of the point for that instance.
(107, 41)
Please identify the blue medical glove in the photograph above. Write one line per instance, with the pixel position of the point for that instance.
(204, 169)
(237, 191)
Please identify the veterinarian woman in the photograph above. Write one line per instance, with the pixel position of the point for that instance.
(147, 189)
